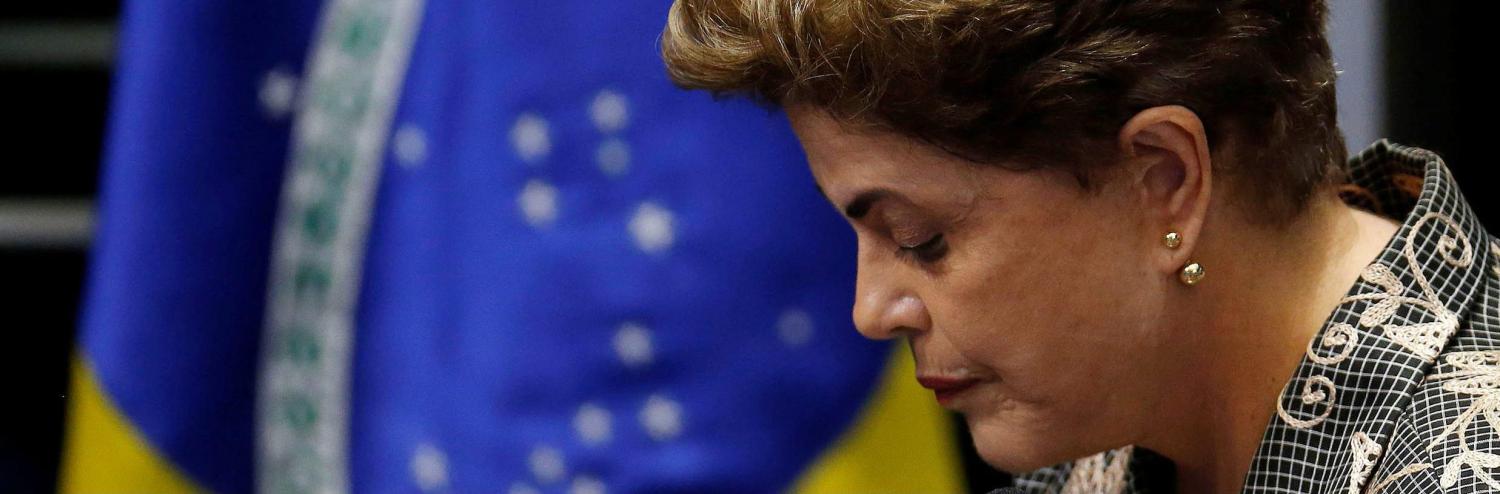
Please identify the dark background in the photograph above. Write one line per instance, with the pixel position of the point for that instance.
(55, 60)
(55, 65)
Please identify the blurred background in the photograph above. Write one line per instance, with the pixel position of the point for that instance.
(612, 192)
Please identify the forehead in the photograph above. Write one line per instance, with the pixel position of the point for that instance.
(847, 160)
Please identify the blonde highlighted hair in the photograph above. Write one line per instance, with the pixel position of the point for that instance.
(1031, 83)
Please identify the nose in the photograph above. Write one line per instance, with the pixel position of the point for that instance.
(883, 307)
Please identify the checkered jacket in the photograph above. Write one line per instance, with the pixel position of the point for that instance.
(1399, 392)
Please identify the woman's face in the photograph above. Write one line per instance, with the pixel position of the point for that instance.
(1035, 298)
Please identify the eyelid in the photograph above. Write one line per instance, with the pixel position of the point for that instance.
(929, 251)
(907, 234)
(919, 244)
(932, 241)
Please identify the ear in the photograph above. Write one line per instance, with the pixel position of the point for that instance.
(1166, 150)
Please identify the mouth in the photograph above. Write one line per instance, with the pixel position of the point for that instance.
(946, 389)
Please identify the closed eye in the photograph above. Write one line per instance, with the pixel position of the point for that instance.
(929, 251)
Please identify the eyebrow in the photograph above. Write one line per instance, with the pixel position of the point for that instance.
(862, 202)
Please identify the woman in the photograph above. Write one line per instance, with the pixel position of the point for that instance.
(1124, 240)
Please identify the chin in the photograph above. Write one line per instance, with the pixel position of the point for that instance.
(1013, 449)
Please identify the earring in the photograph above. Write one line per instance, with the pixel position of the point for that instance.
(1172, 240)
(1191, 274)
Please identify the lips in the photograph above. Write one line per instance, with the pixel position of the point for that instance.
(946, 389)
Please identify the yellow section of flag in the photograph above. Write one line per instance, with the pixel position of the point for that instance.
(901, 443)
(103, 453)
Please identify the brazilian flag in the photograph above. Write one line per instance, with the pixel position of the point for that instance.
(466, 246)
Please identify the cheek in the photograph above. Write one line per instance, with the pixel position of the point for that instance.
(1060, 304)
(1058, 307)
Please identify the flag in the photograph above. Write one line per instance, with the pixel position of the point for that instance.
(466, 246)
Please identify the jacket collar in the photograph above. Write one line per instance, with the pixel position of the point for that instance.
(1362, 367)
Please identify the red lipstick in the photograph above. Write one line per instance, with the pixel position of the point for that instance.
(946, 389)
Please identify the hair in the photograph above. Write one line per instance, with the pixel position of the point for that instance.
(1032, 83)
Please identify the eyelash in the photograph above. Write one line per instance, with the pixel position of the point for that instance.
(928, 252)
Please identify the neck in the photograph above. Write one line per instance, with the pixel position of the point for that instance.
(1268, 292)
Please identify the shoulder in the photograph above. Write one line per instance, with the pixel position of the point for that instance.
(1447, 438)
